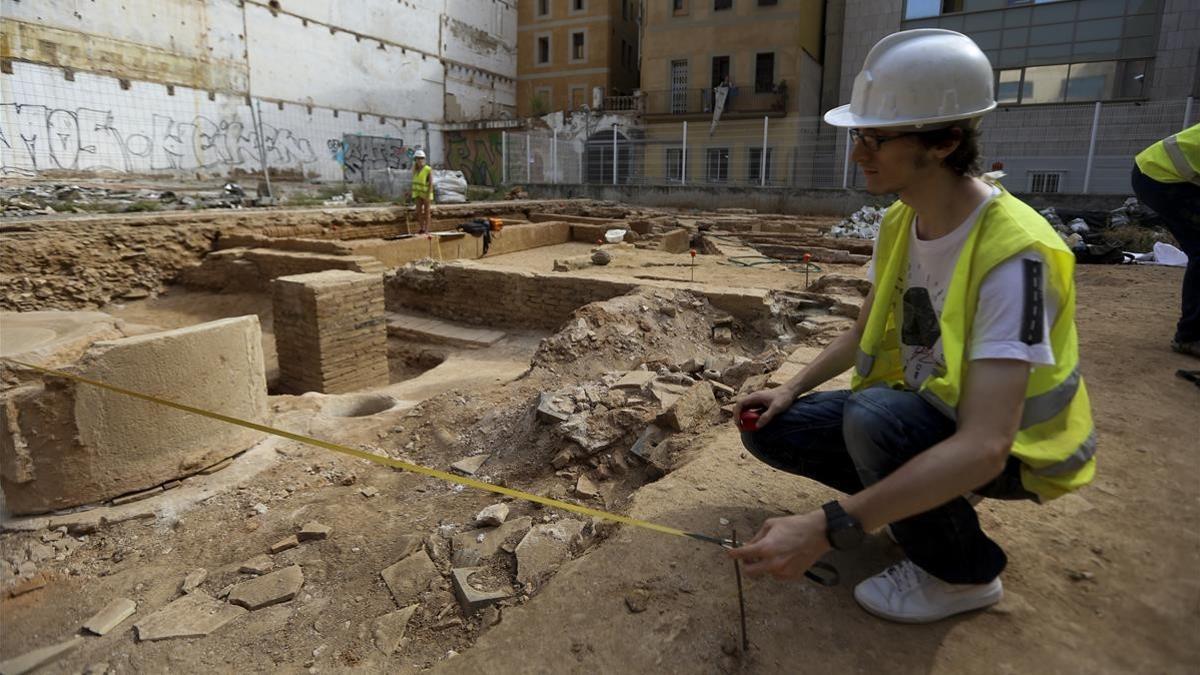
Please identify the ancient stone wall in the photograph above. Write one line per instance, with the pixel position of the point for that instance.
(330, 331)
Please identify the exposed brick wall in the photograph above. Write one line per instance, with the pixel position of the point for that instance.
(330, 331)
(477, 294)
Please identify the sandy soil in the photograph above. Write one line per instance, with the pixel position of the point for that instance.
(1134, 533)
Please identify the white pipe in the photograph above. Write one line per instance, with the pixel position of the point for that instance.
(614, 154)
(554, 151)
(528, 159)
(762, 164)
(504, 158)
(1087, 174)
(683, 158)
(846, 164)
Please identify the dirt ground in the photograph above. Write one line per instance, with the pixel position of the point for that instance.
(1103, 581)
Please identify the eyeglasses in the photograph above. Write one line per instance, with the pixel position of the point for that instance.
(871, 141)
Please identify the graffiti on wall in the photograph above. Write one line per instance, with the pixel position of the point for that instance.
(477, 154)
(361, 155)
(37, 138)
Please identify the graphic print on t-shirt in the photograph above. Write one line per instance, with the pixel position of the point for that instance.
(921, 333)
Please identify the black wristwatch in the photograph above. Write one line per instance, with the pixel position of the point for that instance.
(843, 530)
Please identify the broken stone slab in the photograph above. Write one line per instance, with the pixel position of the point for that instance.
(285, 544)
(259, 564)
(472, 599)
(390, 629)
(39, 657)
(313, 531)
(269, 589)
(111, 616)
(545, 548)
(691, 409)
(667, 392)
(741, 369)
(194, 615)
(585, 488)
(492, 516)
(192, 580)
(650, 438)
(634, 379)
(473, 547)
(369, 491)
(468, 466)
(136, 496)
(409, 577)
(553, 408)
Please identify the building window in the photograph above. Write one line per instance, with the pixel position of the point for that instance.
(674, 165)
(578, 47)
(719, 5)
(764, 73)
(678, 7)
(625, 9)
(716, 165)
(767, 3)
(720, 70)
(543, 7)
(754, 165)
(578, 96)
(543, 100)
(543, 50)
(1073, 82)
(578, 5)
(1045, 181)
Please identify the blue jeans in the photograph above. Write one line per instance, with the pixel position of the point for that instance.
(851, 440)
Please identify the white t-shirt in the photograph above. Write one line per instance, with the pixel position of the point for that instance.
(999, 326)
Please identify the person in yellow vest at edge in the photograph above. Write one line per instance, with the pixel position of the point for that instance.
(422, 190)
(1166, 177)
(965, 360)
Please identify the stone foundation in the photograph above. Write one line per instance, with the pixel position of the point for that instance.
(64, 444)
(330, 332)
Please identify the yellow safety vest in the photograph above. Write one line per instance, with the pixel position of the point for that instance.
(1057, 439)
(1174, 159)
(420, 183)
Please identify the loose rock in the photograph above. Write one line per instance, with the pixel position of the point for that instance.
(390, 629)
(409, 577)
(259, 564)
(267, 590)
(38, 657)
(492, 516)
(313, 531)
(285, 544)
(192, 580)
(194, 615)
(110, 617)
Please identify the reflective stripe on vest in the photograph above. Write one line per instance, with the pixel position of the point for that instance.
(1082, 455)
(1182, 166)
(863, 363)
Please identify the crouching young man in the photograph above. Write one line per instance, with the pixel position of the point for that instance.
(966, 367)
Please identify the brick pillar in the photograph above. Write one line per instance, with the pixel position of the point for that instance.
(330, 331)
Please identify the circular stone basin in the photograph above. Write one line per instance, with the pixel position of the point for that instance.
(358, 405)
(17, 339)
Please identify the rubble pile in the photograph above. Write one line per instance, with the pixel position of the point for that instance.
(52, 198)
(651, 326)
(862, 224)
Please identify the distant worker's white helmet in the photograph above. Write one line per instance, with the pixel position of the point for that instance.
(420, 154)
(916, 78)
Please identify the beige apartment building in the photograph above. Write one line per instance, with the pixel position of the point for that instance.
(566, 48)
(768, 51)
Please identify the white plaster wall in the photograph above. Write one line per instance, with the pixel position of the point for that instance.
(338, 71)
(197, 28)
(91, 124)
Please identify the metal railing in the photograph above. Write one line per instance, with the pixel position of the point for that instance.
(700, 101)
(621, 103)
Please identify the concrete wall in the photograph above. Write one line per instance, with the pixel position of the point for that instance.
(166, 86)
(68, 445)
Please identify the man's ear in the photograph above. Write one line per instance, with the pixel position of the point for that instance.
(949, 144)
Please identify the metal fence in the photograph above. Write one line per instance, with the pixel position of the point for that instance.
(1083, 149)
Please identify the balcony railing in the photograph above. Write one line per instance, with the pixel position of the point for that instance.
(621, 103)
(700, 101)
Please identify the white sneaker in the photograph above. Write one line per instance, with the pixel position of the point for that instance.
(908, 594)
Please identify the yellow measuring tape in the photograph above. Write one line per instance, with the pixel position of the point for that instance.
(380, 459)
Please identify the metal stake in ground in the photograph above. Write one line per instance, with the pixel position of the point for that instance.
(807, 257)
(693, 252)
(737, 571)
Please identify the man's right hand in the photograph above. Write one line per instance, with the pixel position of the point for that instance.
(774, 401)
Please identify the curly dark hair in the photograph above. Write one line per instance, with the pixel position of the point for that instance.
(965, 160)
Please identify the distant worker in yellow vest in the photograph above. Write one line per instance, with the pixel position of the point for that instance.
(1166, 177)
(422, 190)
(965, 361)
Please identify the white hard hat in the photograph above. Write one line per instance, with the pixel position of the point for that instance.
(420, 154)
(916, 78)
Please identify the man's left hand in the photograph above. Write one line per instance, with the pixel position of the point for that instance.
(785, 547)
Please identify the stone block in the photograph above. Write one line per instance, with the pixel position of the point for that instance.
(111, 616)
(472, 599)
(676, 241)
(73, 444)
(693, 408)
(474, 546)
(390, 629)
(409, 577)
(269, 589)
(37, 658)
(194, 615)
(545, 548)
